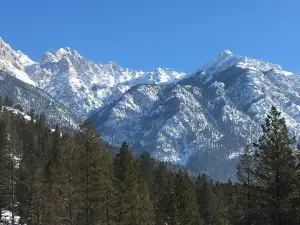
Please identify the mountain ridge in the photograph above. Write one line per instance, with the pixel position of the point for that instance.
(200, 120)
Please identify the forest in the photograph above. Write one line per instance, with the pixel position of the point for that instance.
(70, 177)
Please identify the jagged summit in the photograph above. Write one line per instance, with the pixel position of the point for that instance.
(201, 120)
(71, 78)
(76, 82)
(15, 62)
(14, 56)
(222, 56)
(227, 59)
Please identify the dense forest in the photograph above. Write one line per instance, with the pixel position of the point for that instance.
(52, 177)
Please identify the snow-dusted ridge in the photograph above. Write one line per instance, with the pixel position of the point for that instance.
(201, 120)
(227, 59)
(15, 62)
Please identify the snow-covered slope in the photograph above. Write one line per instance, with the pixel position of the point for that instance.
(30, 97)
(79, 84)
(203, 120)
(200, 120)
(15, 62)
(84, 86)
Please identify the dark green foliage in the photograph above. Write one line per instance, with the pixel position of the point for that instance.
(275, 169)
(5, 162)
(71, 178)
(208, 201)
(146, 213)
(96, 178)
(146, 167)
(126, 186)
(269, 178)
(245, 207)
(187, 210)
(162, 190)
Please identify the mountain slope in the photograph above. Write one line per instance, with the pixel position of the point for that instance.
(205, 119)
(15, 62)
(79, 84)
(30, 97)
(200, 120)
(84, 86)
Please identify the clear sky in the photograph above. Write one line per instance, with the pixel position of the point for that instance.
(145, 34)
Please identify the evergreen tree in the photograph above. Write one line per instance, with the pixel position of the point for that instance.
(146, 168)
(9, 157)
(126, 186)
(243, 210)
(275, 169)
(224, 197)
(186, 200)
(173, 217)
(146, 214)
(207, 201)
(51, 142)
(68, 180)
(30, 185)
(96, 178)
(293, 202)
(162, 189)
(4, 167)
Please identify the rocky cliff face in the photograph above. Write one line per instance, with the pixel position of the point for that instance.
(84, 86)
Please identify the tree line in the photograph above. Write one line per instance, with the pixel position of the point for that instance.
(53, 177)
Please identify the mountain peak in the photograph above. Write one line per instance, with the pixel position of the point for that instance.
(3, 43)
(61, 52)
(48, 57)
(225, 53)
(14, 55)
(224, 58)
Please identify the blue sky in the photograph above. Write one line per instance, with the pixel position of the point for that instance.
(145, 34)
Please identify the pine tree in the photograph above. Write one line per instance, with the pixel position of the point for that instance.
(68, 180)
(10, 155)
(146, 168)
(275, 169)
(126, 186)
(186, 200)
(96, 177)
(173, 217)
(293, 203)
(50, 189)
(146, 214)
(224, 197)
(109, 199)
(162, 190)
(207, 201)
(14, 171)
(30, 191)
(244, 208)
(4, 167)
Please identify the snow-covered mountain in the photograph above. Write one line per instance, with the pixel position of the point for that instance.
(204, 120)
(79, 84)
(84, 86)
(200, 120)
(30, 97)
(15, 62)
